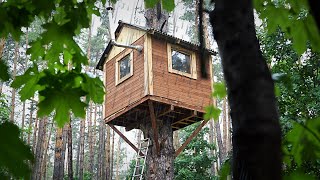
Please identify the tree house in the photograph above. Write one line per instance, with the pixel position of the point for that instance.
(147, 70)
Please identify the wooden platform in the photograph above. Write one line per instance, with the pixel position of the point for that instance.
(131, 116)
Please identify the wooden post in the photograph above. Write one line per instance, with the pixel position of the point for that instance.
(125, 138)
(154, 126)
(195, 132)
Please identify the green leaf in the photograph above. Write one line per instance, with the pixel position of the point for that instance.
(95, 89)
(4, 73)
(225, 170)
(60, 16)
(212, 112)
(14, 153)
(168, 5)
(150, 3)
(219, 90)
(298, 176)
(29, 80)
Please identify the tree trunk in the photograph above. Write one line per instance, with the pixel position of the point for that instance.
(118, 158)
(58, 159)
(30, 121)
(64, 147)
(45, 157)
(212, 140)
(14, 72)
(101, 160)
(111, 156)
(256, 129)
(108, 164)
(24, 102)
(78, 154)
(81, 157)
(157, 18)
(2, 44)
(36, 174)
(160, 166)
(35, 129)
(219, 140)
(70, 160)
(90, 140)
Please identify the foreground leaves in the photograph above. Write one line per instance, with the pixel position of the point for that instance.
(14, 153)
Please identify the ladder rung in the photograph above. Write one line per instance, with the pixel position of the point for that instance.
(137, 175)
(139, 157)
(147, 139)
(139, 165)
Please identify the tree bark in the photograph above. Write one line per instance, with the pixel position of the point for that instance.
(14, 72)
(35, 129)
(90, 140)
(111, 156)
(45, 157)
(70, 159)
(78, 154)
(24, 102)
(30, 121)
(256, 129)
(39, 152)
(157, 18)
(58, 159)
(219, 141)
(160, 166)
(108, 168)
(81, 157)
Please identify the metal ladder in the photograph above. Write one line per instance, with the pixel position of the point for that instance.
(138, 171)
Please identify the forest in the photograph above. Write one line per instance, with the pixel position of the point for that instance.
(263, 122)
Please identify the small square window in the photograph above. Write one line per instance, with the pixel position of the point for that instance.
(123, 67)
(181, 61)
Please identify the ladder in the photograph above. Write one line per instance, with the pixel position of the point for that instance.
(138, 171)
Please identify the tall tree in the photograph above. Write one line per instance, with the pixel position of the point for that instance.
(70, 159)
(58, 171)
(13, 95)
(256, 130)
(108, 152)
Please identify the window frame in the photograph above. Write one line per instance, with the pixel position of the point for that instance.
(193, 66)
(119, 80)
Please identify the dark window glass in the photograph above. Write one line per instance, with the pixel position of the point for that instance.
(181, 61)
(124, 66)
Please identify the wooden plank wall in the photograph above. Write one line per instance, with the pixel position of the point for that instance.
(193, 92)
(130, 90)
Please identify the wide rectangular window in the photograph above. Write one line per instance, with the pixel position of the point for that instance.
(181, 61)
(123, 67)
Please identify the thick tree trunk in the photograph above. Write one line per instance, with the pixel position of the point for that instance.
(108, 165)
(256, 129)
(157, 18)
(70, 159)
(160, 166)
(58, 159)
(36, 174)
(101, 160)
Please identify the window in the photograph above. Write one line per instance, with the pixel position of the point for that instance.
(124, 67)
(181, 61)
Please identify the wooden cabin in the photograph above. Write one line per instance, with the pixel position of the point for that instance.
(164, 70)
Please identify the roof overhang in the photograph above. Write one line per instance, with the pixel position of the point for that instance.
(154, 33)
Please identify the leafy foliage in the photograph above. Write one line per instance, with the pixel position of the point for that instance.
(4, 74)
(14, 153)
(293, 17)
(194, 162)
(61, 86)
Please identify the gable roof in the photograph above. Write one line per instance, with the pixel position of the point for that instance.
(154, 33)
